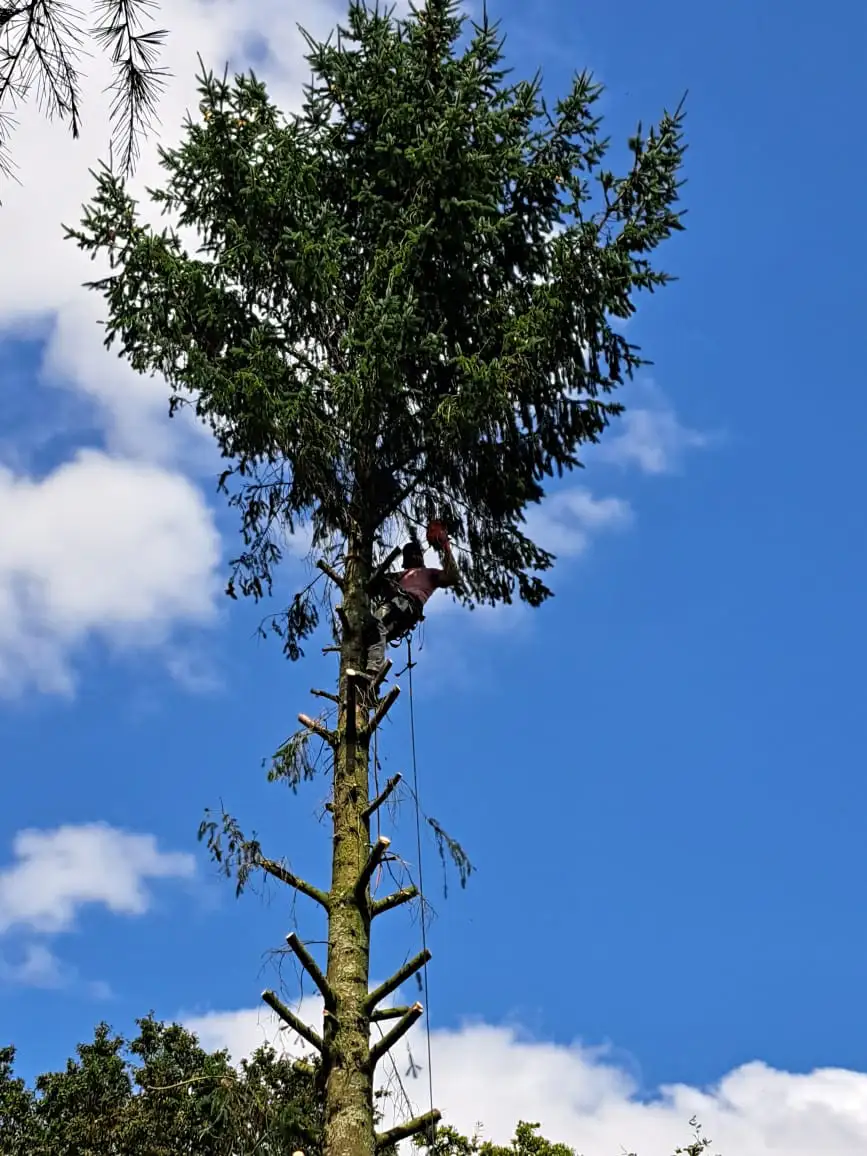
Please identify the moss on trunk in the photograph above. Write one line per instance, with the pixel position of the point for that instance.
(349, 1123)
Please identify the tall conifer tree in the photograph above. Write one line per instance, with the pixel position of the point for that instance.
(403, 304)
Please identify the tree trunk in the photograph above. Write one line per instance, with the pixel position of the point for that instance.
(349, 1125)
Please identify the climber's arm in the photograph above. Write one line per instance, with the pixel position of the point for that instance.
(449, 575)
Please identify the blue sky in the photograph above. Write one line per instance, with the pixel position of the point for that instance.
(658, 775)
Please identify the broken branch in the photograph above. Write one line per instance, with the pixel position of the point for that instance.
(381, 674)
(278, 871)
(318, 729)
(293, 1021)
(381, 797)
(330, 573)
(410, 1128)
(326, 694)
(388, 1013)
(400, 976)
(389, 902)
(345, 624)
(377, 851)
(312, 968)
(384, 706)
(400, 1029)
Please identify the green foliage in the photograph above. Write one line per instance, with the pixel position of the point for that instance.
(449, 848)
(292, 762)
(161, 1094)
(528, 1142)
(403, 300)
(40, 52)
(236, 856)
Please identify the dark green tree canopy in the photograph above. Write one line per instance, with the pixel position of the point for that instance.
(160, 1094)
(402, 301)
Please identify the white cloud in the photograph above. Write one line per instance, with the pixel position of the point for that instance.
(121, 550)
(567, 519)
(496, 1076)
(652, 439)
(49, 271)
(35, 966)
(57, 872)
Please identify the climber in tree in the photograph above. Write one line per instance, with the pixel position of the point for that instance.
(405, 592)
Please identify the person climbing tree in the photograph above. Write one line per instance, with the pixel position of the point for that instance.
(419, 275)
(404, 593)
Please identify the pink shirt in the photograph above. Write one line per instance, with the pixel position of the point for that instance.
(421, 582)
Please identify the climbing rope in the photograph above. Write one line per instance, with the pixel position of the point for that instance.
(409, 666)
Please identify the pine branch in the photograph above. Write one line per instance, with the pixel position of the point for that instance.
(399, 1030)
(330, 572)
(411, 1128)
(388, 1013)
(43, 41)
(317, 728)
(313, 970)
(379, 848)
(389, 902)
(382, 796)
(381, 675)
(293, 1021)
(278, 871)
(326, 694)
(400, 976)
(382, 709)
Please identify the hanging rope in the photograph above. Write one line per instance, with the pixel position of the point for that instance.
(409, 666)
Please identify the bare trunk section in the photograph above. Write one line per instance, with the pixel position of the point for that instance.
(348, 1060)
(349, 1129)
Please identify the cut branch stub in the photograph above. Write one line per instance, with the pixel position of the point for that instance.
(389, 902)
(399, 1030)
(330, 573)
(318, 729)
(292, 1021)
(400, 976)
(424, 1123)
(382, 796)
(379, 848)
(278, 871)
(388, 1013)
(312, 968)
(382, 709)
(381, 674)
(345, 624)
(326, 694)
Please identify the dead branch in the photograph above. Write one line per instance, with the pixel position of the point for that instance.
(326, 694)
(382, 709)
(389, 902)
(400, 976)
(312, 968)
(381, 797)
(330, 573)
(388, 1013)
(377, 851)
(410, 1128)
(397, 1032)
(278, 871)
(291, 1020)
(318, 729)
